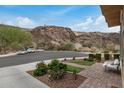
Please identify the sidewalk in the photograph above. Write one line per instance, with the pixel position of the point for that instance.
(9, 54)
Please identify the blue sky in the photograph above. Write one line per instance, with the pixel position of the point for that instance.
(78, 18)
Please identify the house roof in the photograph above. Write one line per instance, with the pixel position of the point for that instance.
(111, 14)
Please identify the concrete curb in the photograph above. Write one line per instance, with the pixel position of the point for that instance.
(10, 54)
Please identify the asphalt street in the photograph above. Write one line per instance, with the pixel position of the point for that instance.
(37, 56)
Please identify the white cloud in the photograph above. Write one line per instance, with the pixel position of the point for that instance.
(88, 21)
(83, 25)
(93, 25)
(24, 21)
(100, 20)
(114, 29)
(20, 21)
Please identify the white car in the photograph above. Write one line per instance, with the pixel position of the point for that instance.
(30, 50)
(39, 50)
(22, 52)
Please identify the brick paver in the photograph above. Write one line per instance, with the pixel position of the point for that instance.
(98, 78)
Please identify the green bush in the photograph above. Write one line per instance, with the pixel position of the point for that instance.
(98, 57)
(56, 70)
(53, 63)
(41, 69)
(91, 56)
(116, 56)
(66, 46)
(106, 56)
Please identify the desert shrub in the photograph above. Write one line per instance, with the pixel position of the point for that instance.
(91, 56)
(56, 70)
(116, 56)
(41, 69)
(66, 46)
(98, 57)
(106, 56)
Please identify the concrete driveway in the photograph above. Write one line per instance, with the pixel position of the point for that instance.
(16, 77)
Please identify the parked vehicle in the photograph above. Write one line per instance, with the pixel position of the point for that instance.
(22, 52)
(30, 50)
(39, 50)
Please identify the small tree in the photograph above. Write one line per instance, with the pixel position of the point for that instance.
(14, 38)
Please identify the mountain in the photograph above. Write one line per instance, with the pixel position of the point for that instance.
(51, 37)
(56, 37)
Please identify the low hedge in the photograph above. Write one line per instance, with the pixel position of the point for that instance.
(106, 56)
(116, 56)
(91, 56)
(98, 57)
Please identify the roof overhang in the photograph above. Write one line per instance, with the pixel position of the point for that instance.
(112, 14)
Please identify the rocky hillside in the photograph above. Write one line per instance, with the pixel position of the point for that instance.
(97, 39)
(52, 37)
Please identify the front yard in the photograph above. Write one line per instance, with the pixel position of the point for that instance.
(58, 75)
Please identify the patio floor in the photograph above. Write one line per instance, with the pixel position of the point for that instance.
(98, 78)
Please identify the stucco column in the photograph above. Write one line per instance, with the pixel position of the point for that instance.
(122, 44)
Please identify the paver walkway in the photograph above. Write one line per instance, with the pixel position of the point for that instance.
(98, 78)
